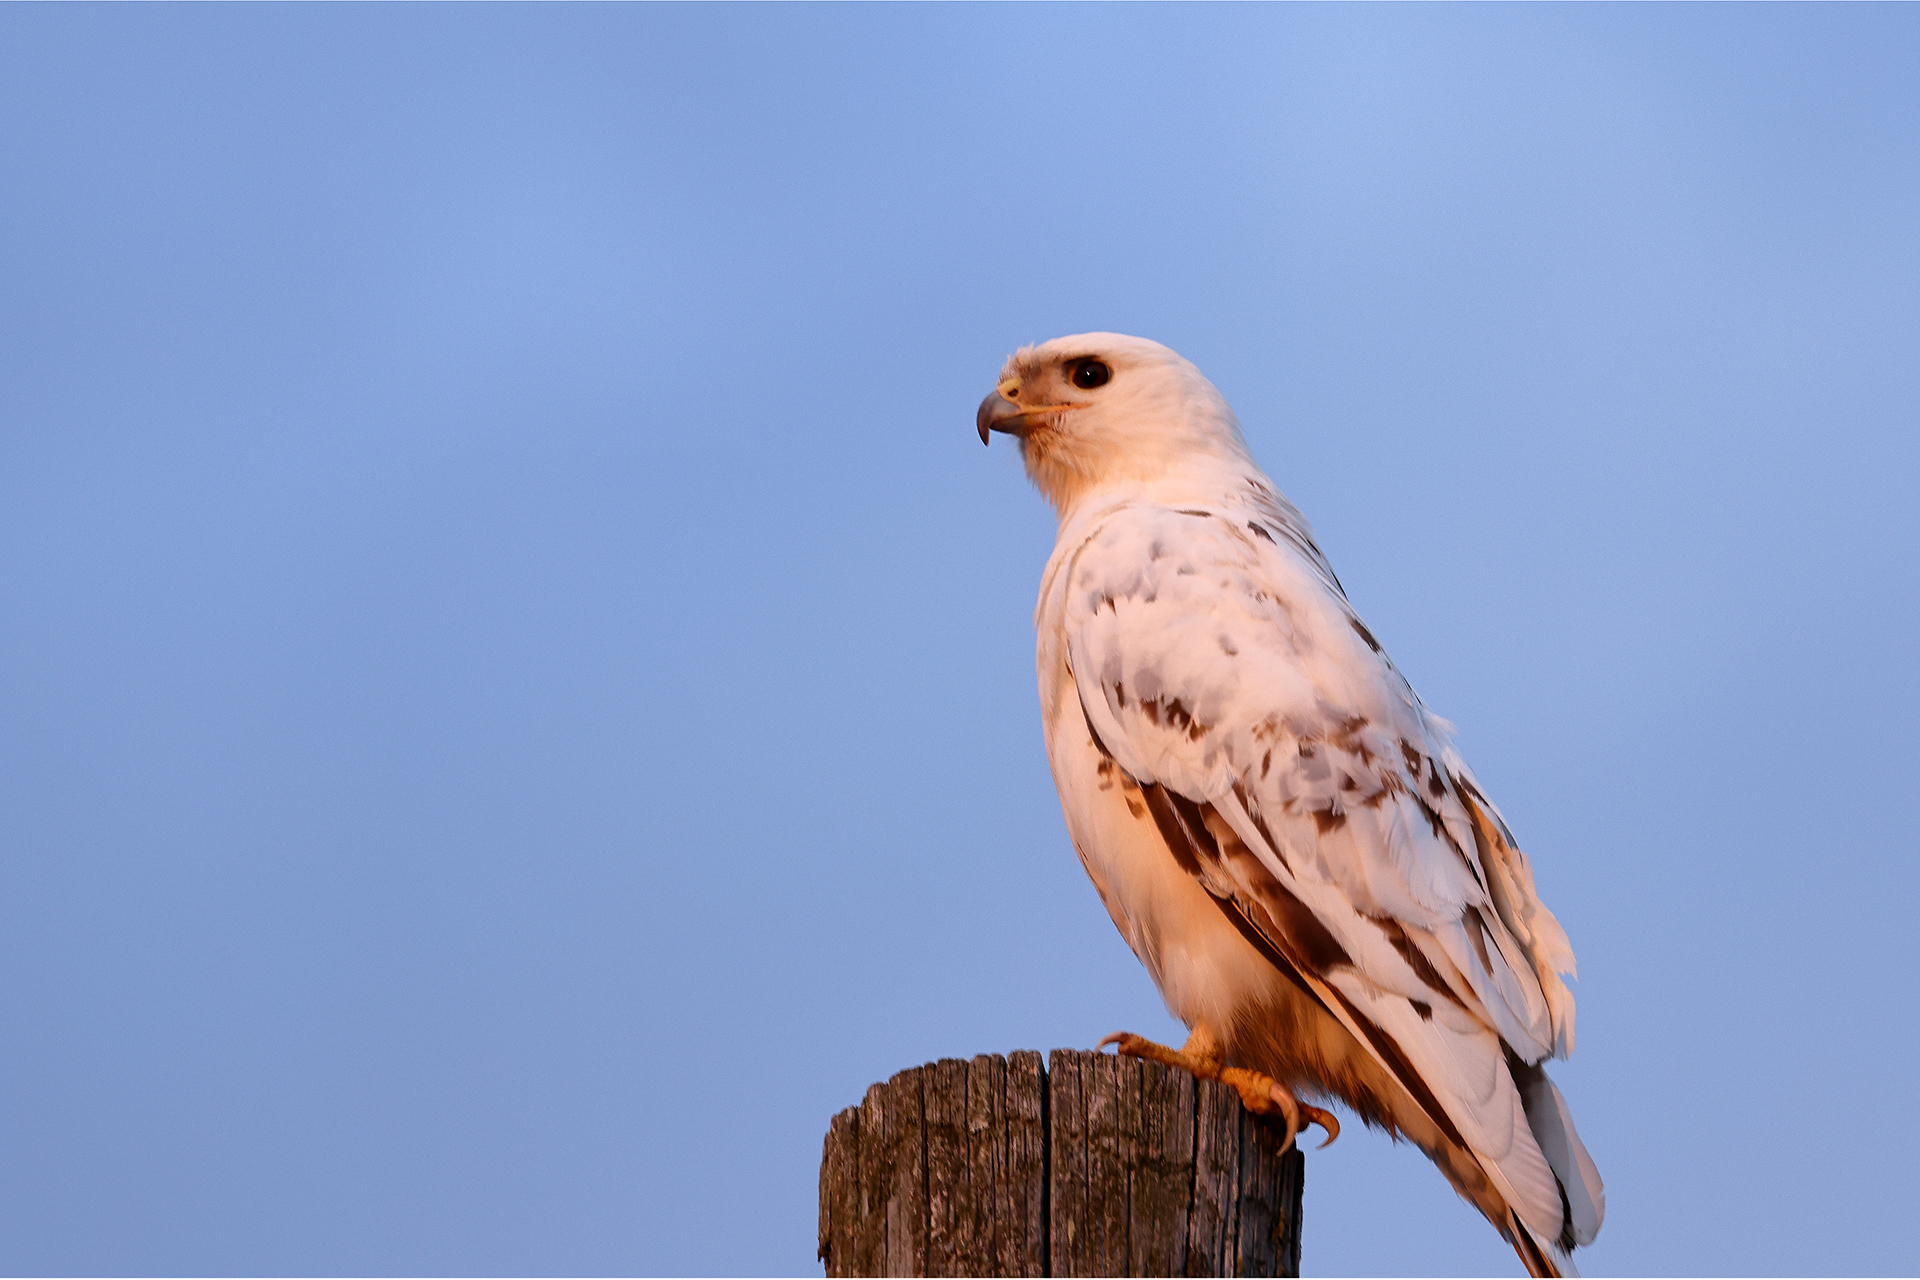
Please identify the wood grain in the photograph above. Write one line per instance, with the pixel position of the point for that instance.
(1096, 1165)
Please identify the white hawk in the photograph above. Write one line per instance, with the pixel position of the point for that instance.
(1282, 832)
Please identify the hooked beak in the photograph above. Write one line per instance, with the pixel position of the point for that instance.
(997, 413)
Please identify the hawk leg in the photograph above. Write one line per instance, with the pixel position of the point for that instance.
(1262, 1095)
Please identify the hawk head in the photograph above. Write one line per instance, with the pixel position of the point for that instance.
(1101, 408)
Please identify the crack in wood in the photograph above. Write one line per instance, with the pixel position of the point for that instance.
(1090, 1165)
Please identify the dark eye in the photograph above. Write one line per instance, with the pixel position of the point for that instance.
(1088, 374)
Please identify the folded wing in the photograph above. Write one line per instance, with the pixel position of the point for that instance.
(1219, 663)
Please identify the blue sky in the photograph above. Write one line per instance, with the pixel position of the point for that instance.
(516, 671)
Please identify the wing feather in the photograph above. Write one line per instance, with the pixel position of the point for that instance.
(1218, 662)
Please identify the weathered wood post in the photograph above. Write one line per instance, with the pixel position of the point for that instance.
(1097, 1165)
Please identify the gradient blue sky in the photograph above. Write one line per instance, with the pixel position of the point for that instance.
(516, 694)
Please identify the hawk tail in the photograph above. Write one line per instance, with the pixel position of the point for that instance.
(1541, 1258)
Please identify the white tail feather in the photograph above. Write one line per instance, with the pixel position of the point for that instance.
(1552, 1125)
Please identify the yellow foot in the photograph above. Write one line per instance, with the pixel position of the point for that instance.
(1262, 1095)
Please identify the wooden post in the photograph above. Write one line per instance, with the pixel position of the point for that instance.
(1097, 1165)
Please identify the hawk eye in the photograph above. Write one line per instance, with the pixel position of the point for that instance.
(1088, 374)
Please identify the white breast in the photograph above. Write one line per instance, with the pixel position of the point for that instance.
(1202, 965)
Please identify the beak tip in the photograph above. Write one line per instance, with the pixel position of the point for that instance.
(984, 418)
